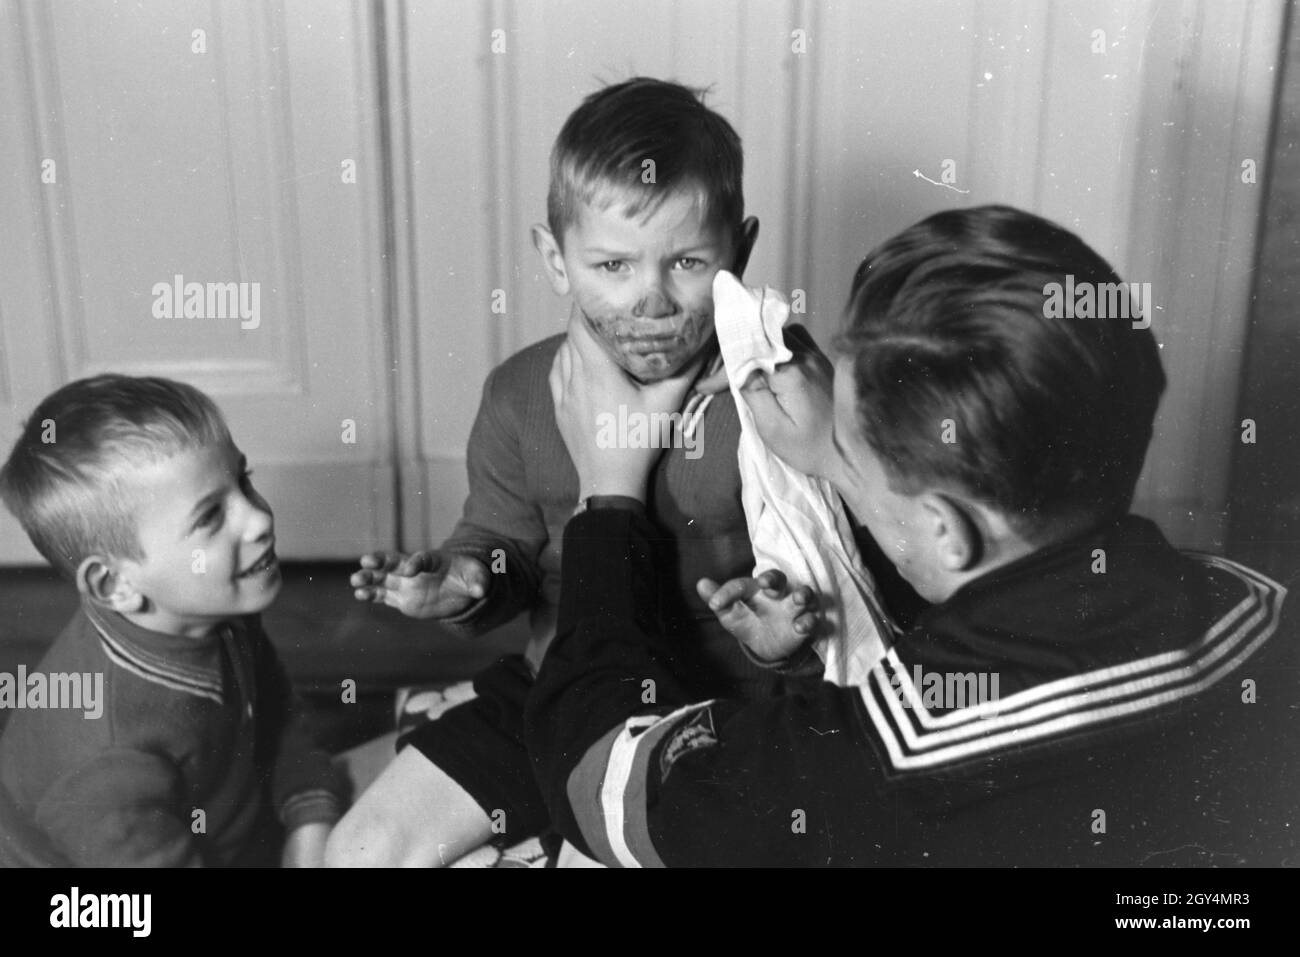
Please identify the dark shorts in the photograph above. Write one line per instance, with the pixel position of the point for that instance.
(480, 745)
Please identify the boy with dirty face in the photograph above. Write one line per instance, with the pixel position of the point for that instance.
(645, 206)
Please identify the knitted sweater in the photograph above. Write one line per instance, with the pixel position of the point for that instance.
(197, 752)
(523, 489)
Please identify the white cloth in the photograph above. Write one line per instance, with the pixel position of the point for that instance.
(796, 522)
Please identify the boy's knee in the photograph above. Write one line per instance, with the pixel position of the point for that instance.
(363, 839)
(370, 836)
(414, 815)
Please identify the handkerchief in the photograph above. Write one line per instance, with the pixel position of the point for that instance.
(796, 522)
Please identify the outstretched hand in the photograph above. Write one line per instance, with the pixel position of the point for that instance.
(428, 584)
(764, 613)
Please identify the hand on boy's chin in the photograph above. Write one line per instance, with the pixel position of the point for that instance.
(654, 367)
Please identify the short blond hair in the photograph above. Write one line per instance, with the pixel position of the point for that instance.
(65, 480)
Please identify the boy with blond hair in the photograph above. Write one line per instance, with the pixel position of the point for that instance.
(134, 489)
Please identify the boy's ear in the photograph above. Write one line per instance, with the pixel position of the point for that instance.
(552, 258)
(956, 537)
(98, 579)
(745, 245)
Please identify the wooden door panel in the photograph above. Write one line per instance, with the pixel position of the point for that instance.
(205, 147)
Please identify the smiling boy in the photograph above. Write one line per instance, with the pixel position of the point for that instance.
(134, 489)
(645, 206)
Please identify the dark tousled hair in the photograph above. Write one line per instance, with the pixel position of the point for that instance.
(600, 154)
(1051, 416)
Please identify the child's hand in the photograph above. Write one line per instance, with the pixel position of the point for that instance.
(772, 620)
(421, 585)
(304, 846)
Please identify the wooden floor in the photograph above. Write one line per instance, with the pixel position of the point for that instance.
(322, 634)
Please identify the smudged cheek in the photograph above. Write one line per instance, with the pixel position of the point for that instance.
(663, 344)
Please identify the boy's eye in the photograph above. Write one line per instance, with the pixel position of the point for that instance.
(213, 517)
(610, 265)
(690, 262)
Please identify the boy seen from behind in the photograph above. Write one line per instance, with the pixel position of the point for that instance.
(1103, 698)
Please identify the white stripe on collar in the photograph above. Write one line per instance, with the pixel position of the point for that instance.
(915, 739)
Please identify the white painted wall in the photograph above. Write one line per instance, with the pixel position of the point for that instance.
(1137, 148)
(225, 166)
(221, 166)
